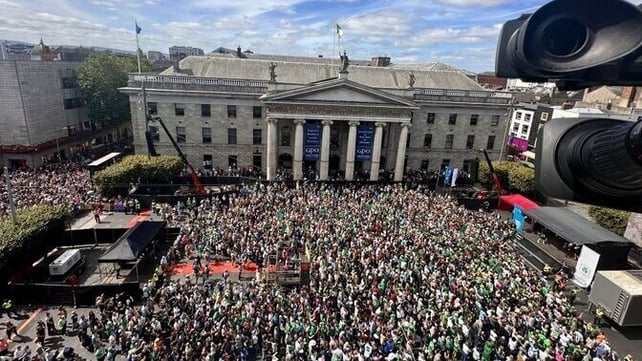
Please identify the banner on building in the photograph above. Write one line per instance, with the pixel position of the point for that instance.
(365, 135)
(312, 146)
(586, 267)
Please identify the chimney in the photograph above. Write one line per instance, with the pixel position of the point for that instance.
(628, 94)
(380, 61)
(239, 53)
(176, 65)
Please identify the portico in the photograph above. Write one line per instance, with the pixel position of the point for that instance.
(330, 108)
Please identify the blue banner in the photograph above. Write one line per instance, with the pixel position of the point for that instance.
(312, 142)
(518, 218)
(365, 135)
(449, 173)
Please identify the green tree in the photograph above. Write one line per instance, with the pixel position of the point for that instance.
(513, 176)
(137, 169)
(99, 78)
(614, 220)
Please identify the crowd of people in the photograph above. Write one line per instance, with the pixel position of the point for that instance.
(396, 274)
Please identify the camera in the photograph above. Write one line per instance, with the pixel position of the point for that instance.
(579, 45)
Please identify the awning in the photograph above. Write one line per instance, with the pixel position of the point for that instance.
(507, 203)
(132, 244)
(572, 227)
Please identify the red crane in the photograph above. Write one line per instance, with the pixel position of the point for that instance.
(493, 175)
(198, 186)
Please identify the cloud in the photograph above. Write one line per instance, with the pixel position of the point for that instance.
(482, 3)
(475, 34)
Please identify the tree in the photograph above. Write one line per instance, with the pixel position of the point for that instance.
(614, 220)
(137, 169)
(513, 176)
(99, 78)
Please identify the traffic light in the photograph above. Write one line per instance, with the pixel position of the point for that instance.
(578, 45)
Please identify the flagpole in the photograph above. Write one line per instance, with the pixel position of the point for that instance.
(334, 45)
(137, 48)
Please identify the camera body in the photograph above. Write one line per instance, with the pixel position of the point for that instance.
(598, 42)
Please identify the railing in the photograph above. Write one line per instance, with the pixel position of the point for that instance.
(196, 80)
(465, 95)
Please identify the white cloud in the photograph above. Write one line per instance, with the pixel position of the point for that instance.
(466, 3)
(476, 34)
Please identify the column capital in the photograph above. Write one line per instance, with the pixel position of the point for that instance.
(326, 122)
(353, 123)
(405, 124)
(299, 121)
(271, 120)
(380, 124)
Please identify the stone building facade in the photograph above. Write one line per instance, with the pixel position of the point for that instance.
(42, 114)
(255, 111)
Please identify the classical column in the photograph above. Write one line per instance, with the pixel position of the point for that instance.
(298, 149)
(401, 151)
(271, 148)
(352, 145)
(325, 150)
(376, 151)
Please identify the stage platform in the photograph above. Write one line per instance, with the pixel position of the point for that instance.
(109, 220)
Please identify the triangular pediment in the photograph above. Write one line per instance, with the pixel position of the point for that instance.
(338, 91)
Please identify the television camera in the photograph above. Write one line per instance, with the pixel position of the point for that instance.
(578, 45)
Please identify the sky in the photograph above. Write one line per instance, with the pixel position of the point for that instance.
(460, 33)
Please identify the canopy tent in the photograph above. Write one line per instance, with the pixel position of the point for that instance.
(577, 230)
(572, 227)
(132, 244)
(507, 202)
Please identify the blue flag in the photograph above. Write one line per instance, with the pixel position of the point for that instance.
(518, 218)
(138, 28)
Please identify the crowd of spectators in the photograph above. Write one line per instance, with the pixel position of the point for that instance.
(396, 274)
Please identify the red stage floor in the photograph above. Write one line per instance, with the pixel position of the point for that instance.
(215, 268)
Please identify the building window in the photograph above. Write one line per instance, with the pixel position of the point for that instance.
(424, 164)
(179, 110)
(494, 120)
(206, 110)
(450, 138)
(470, 142)
(231, 111)
(257, 162)
(527, 117)
(257, 136)
(180, 135)
(153, 131)
(473, 119)
(73, 103)
(525, 129)
(207, 135)
(207, 161)
(518, 115)
(445, 163)
(427, 140)
(452, 119)
(490, 145)
(431, 118)
(232, 162)
(515, 127)
(285, 136)
(257, 112)
(69, 83)
(543, 117)
(231, 135)
(152, 108)
(408, 141)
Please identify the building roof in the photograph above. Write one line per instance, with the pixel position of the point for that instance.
(301, 70)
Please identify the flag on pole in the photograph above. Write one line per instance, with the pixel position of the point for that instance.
(138, 28)
(339, 32)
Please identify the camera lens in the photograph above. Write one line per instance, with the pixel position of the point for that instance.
(564, 37)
